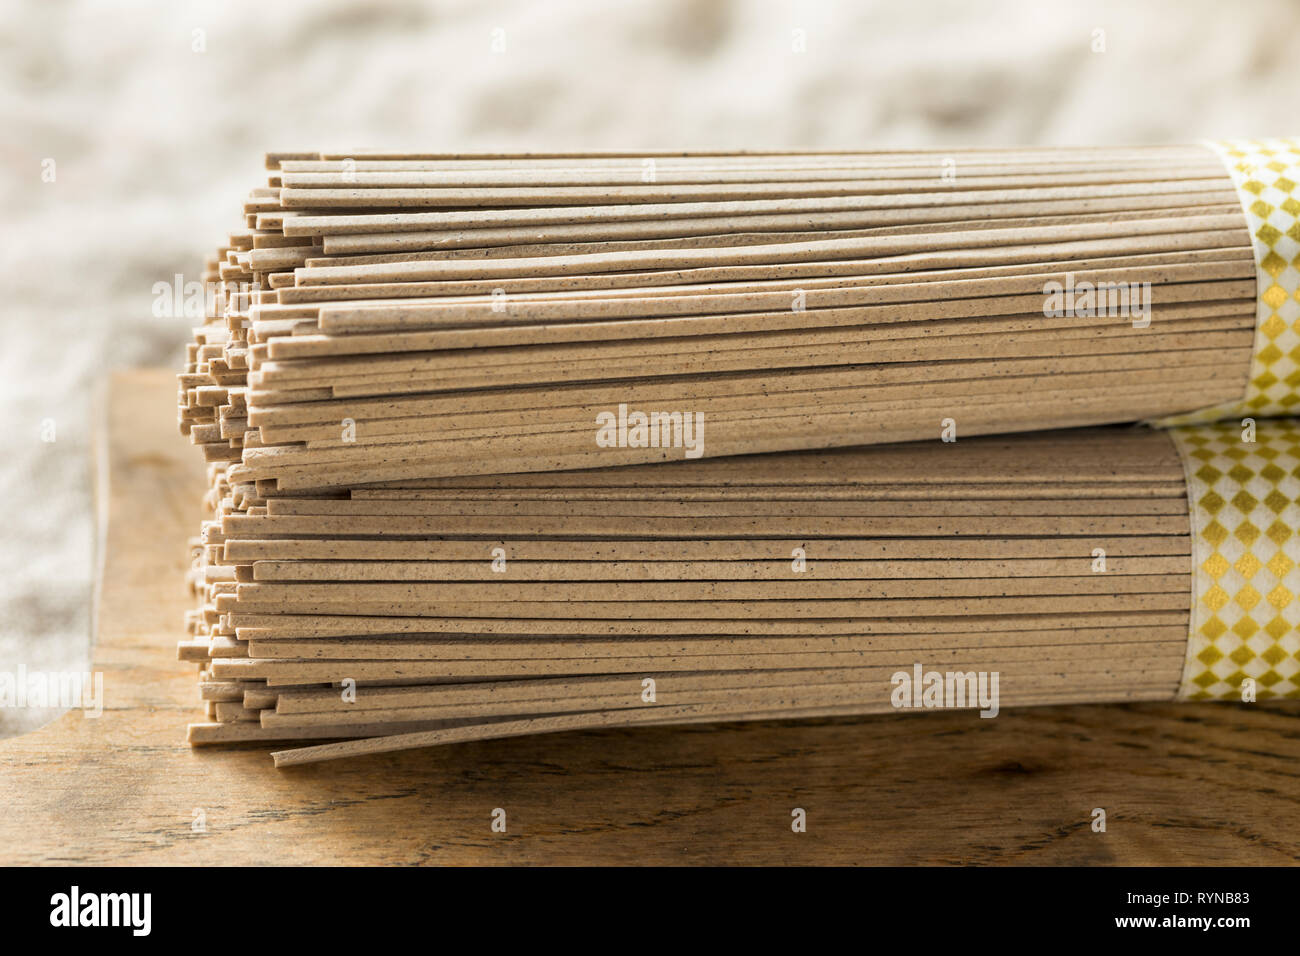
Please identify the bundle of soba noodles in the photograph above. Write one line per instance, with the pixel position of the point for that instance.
(416, 371)
(389, 316)
(992, 572)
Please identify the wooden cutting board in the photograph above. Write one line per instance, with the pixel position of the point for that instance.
(1180, 783)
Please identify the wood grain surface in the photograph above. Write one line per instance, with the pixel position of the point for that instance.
(1180, 783)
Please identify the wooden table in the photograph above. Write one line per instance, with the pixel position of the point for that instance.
(1180, 783)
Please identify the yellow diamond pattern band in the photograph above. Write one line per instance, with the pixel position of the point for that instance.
(1266, 173)
(1244, 498)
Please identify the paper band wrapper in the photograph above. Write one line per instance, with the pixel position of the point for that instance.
(1243, 495)
(1266, 174)
(1244, 499)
